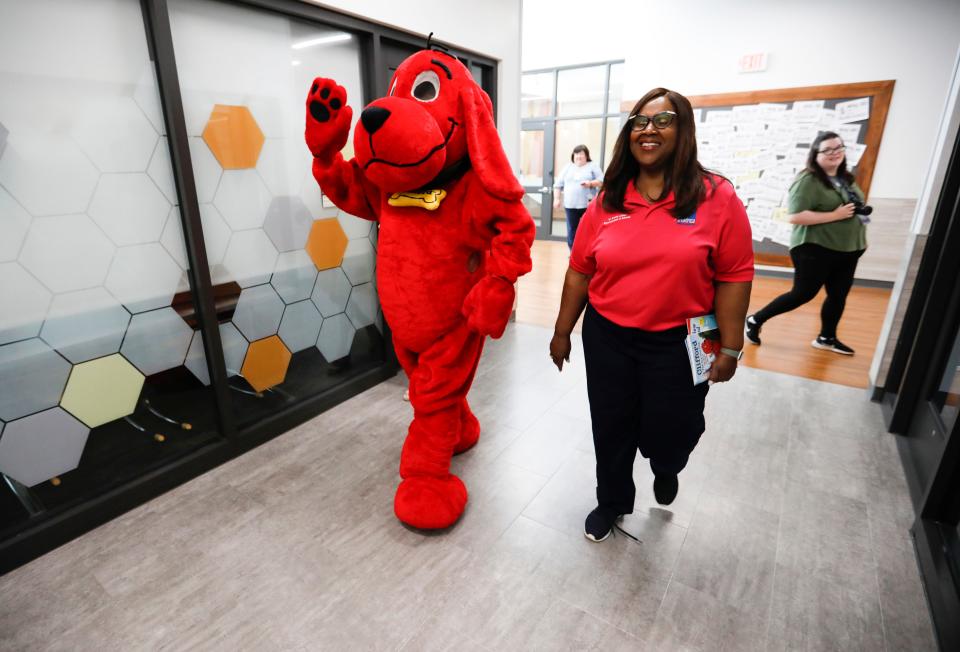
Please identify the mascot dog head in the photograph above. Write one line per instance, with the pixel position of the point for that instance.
(434, 116)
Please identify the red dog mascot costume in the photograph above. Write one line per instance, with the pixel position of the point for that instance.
(454, 237)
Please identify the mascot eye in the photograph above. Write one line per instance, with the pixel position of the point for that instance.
(393, 87)
(426, 86)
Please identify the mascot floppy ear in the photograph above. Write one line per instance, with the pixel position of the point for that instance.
(483, 143)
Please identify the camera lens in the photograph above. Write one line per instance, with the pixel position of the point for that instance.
(863, 209)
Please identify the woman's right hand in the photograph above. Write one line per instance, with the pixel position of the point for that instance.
(560, 350)
(843, 212)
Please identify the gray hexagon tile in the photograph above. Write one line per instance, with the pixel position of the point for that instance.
(23, 304)
(85, 325)
(32, 376)
(114, 133)
(374, 236)
(336, 337)
(3, 138)
(331, 292)
(258, 312)
(250, 258)
(129, 208)
(67, 253)
(359, 260)
(281, 164)
(300, 326)
(294, 276)
(206, 170)
(147, 97)
(234, 350)
(161, 171)
(42, 446)
(156, 341)
(47, 174)
(288, 223)
(216, 235)
(14, 223)
(363, 305)
(143, 277)
(242, 199)
(354, 226)
(312, 197)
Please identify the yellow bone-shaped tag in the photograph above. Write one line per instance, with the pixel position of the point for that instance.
(428, 200)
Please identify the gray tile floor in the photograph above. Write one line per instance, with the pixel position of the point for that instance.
(789, 533)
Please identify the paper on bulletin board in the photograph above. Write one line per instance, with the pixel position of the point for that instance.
(855, 153)
(780, 233)
(807, 111)
(849, 133)
(853, 110)
(719, 117)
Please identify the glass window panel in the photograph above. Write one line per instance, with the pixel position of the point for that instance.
(533, 202)
(615, 94)
(298, 308)
(100, 364)
(947, 396)
(571, 133)
(613, 131)
(531, 158)
(580, 91)
(536, 95)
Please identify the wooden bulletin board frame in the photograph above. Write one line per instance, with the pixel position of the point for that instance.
(879, 92)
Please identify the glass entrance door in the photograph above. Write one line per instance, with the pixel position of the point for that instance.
(536, 174)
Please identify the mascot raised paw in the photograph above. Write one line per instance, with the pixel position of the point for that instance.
(454, 237)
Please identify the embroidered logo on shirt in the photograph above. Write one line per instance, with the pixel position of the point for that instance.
(688, 220)
(616, 218)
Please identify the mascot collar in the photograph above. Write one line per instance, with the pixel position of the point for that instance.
(431, 194)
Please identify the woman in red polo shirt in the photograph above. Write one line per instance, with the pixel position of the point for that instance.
(665, 241)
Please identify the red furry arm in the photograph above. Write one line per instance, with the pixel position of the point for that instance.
(347, 187)
(514, 231)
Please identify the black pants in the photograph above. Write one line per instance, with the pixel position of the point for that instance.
(642, 397)
(816, 267)
(573, 221)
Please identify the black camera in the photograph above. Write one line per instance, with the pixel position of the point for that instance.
(861, 210)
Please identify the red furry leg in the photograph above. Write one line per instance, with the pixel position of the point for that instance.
(469, 429)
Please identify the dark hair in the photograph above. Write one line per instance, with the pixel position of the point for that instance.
(684, 174)
(580, 148)
(814, 168)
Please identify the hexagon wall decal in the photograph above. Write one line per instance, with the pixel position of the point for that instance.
(233, 136)
(102, 390)
(266, 363)
(41, 446)
(250, 258)
(331, 291)
(156, 341)
(114, 133)
(288, 223)
(47, 174)
(234, 350)
(14, 222)
(362, 307)
(86, 324)
(32, 376)
(143, 277)
(294, 276)
(129, 208)
(336, 337)
(67, 252)
(326, 243)
(242, 199)
(281, 165)
(23, 303)
(300, 326)
(206, 170)
(3, 138)
(353, 226)
(216, 235)
(258, 312)
(161, 171)
(359, 260)
(147, 97)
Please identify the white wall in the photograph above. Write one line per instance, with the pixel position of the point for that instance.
(693, 46)
(491, 27)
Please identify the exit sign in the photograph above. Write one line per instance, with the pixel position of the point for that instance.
(756, 62)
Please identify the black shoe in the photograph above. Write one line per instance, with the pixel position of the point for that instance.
(599, 524)
(751, 330)
(831, 344)
(665, 488)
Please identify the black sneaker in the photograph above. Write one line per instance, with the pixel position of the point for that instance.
(831, 344)
(751, 330)
(599, 524)
(665, 488)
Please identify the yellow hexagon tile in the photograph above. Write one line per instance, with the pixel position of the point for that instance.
(102, 390)
(266, 363)
(326, 243)
(233, 136)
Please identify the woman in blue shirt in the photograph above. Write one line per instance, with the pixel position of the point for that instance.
(578, 184)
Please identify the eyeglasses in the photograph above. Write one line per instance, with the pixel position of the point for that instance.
(660, 120)
(832, 150)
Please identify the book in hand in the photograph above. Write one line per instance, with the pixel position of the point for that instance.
(703, 344)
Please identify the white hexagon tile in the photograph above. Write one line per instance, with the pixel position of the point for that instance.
(258, 312)
(47, 174)
(288, 223)
(147, 97)
(336, 337)
(143, 277)
(32, 376)
(42, 446)
(23, 303)
(156, 341)
(359, 261)
(206, 170)
(161, 170)
(250, 258)
(294, 276)
(114, 133)
(300, 326)
(216, 235)
(281, 164)
(129, 208)
(86, 324)
(14, 222)
(242, 199)
(67, 253)
(354, 226)
(331, 292)
(362, 306)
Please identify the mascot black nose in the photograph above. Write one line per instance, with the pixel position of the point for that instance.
(373, 118)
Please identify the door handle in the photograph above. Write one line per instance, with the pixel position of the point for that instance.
(545, 189)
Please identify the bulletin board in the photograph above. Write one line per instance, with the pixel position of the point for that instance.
(760, 140)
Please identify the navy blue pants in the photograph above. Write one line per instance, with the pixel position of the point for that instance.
(642, 397)
(573, 221)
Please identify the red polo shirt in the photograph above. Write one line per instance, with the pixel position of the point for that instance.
(653, 271)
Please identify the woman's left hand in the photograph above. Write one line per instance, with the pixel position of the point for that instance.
(723, 368)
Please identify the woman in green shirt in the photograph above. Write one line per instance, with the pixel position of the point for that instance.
(828, 240)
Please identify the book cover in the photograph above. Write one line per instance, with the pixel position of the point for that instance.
(703, 344)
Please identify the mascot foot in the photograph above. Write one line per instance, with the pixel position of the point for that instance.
(430, 503)
(469, 432)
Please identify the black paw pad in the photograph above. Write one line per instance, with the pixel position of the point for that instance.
(319, 111)
(335, 103)
(313, 89)
(325, 93)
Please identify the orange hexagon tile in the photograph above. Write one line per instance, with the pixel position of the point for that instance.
(326, 243)
(266, 363)
(233, 136)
